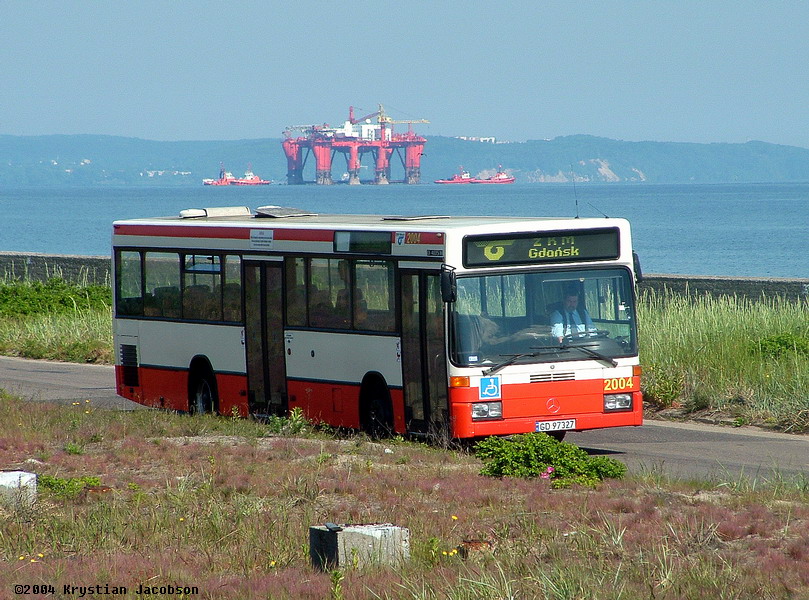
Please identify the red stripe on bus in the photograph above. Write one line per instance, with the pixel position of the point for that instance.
(304, 235)
(235, 233)
(243, 233)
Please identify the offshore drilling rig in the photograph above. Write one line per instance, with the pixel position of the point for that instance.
(370, 134)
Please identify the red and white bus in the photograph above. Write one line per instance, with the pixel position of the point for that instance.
(459, 326)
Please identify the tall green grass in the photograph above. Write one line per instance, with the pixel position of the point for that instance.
(706, 353)
(55, 296)
(78, 336)
(56, 320)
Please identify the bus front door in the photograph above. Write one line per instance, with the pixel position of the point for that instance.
(264, 338)
(424, 370)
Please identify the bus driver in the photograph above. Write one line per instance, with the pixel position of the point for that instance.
(568, 319)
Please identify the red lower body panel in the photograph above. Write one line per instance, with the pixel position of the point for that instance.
(168, 388)
(337, 403)
(525, 404)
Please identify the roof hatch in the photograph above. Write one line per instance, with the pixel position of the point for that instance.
(217, 211)
(415, 217)
(279, 212)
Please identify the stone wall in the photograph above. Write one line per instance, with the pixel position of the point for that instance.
(753, 288)
(41, 267)
(96, 269)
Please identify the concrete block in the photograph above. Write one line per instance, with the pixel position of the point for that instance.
(342, 546)
(18, 488)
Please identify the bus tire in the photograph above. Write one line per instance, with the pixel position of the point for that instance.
(376, 407)
(202, 395)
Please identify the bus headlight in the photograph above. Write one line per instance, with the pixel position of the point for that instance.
(617, 402)
(487, 410)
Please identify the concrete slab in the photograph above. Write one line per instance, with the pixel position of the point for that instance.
(342, 546)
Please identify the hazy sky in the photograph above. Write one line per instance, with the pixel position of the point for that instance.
(680, 70)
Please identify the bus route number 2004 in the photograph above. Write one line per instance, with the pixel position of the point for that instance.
(617, 384)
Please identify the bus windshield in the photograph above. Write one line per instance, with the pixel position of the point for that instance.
(548, 316)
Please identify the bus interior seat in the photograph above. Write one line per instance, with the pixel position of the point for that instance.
(167, 299)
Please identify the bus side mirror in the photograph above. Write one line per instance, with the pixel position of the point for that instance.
(449, 289)
(636, 264)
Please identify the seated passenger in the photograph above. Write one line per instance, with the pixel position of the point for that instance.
(361, 314)
(321, 311)
(198, 303)
(232, 302)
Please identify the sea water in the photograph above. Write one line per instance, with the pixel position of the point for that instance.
(755, 230)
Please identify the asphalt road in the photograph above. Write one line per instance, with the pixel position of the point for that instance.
(679, 450)
(62, 383)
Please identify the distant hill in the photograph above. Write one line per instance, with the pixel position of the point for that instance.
(58, 160)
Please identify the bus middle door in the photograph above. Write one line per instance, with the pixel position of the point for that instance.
(424, 369)
(264, 338)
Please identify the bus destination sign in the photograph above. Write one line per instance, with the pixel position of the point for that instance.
(545, 247)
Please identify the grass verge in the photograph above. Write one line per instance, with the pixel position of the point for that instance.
(56, 320)
(746, 360)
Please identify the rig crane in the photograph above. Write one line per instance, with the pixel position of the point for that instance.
(354, 121)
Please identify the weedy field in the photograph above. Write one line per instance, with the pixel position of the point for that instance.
(223, 505)
(149, 498)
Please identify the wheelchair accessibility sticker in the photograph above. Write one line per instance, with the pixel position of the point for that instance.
(490, 388)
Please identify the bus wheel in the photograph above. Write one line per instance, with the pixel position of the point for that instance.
(376, 410)
(203, 394)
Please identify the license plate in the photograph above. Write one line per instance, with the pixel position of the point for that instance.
(561, 425)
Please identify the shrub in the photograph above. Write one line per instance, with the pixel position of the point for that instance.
(539, 455)
(662, 385)
(66, 487)
(56, 296)
(782, 344)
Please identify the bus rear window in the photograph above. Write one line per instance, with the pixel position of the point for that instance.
(129, 284)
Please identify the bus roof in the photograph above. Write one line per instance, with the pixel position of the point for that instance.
(437, 238)
(283, 217)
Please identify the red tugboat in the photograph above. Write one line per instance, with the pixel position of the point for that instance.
(250, 178)
(225, 178)
(499, 177)
(462, 177)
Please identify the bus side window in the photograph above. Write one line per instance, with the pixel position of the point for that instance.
(374, 305)
(295, 277)
(328, 282)
(202, 287)
(162, 276)
(232, 289)
(129, 291)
